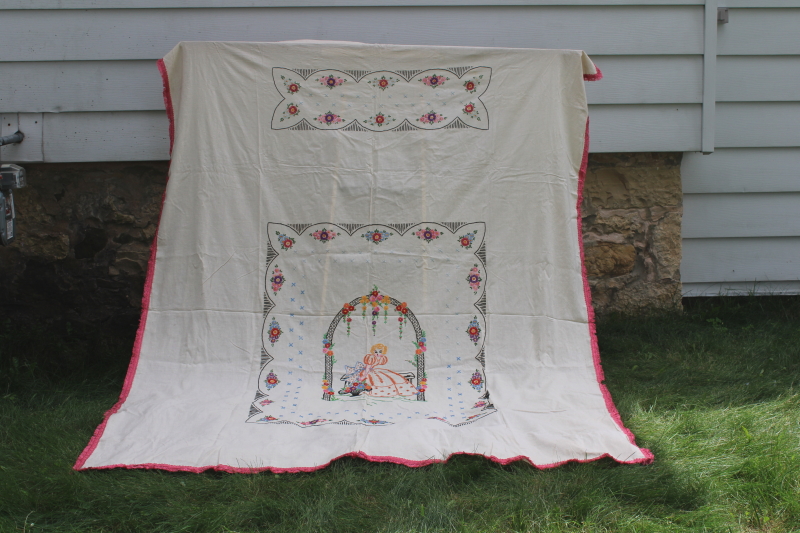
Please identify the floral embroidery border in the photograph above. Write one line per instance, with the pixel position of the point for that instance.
(469, 116)
(261, 399)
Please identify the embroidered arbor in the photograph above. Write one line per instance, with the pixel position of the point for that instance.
(405, 315)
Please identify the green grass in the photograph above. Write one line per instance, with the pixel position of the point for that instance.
(714, 394)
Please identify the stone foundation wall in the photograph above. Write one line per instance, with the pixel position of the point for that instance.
(84, 232)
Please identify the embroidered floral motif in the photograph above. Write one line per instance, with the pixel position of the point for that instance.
(402, 310)
(374, 421)
(423, 385)
(480, 404)
(268, 419)
(471, 85)
(266, 402)
(471, 111)
(383, 82)
(434, 80)
(277, 280)
(330, 81)
(275, 332)
(354, 387)
(323, 235)
(467, 239)
(326, 387)
(313, 422)
(474, 330)
(477, 381)
(290, 85)
(286, 242)
(375, 300)
(376, 236)
(291, 110)
(346, 310)
(329, 118)
(379, 120)
(271, 381)
(427, 234)
(474, 279)
(431, 118)
(327, 349)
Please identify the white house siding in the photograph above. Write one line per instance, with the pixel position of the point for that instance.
(78, 76)
(741, 224)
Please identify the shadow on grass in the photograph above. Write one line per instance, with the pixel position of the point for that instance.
(710, 392)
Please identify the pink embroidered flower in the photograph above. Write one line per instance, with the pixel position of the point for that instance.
(431, 118)
(331, 81)
(434, 80)
(329, 118)
(277, 280)
(266, 402)
(474, 279)
(324, 235)
(428, 234)
(479, 404)
(268, 419)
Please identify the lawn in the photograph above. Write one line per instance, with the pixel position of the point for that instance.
(713, 393)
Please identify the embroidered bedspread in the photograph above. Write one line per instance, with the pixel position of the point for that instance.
(367, 250)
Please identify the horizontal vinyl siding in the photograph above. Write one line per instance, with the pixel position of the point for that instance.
(103, 34)
(62, 86)
(742, 170)
(741, 260)
(741, 215)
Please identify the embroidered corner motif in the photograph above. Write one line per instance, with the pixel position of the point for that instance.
(332, 99)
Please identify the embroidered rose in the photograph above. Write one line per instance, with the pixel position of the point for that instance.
(474, 330)
(479, 404)
(324, 235)
(434, 80)
(428, 234)
(330, 81)
(476, 382)
(286, 242)
(277, 280)
(268, 419)
(275, 332)
(266, 402)
(471, 85)
(474, 279)
(291, 85)
(379, 120)
(383, 82)
(471, 111)
(376, 236)
(431, 118)
(466, 240)
(271, 381)
(329, 118)
(292, 110)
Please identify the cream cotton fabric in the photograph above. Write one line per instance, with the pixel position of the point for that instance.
(367, 250)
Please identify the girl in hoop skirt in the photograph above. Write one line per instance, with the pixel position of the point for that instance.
(384, 383)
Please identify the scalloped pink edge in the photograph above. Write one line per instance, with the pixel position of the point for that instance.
(593, 77)
(647, 459)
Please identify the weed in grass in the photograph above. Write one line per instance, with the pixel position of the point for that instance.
(712, 392)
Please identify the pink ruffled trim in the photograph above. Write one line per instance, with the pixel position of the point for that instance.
(148, 287)
(587, 294)
(647, 459)
(593, 77)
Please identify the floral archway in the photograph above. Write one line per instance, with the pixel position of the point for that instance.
(373, 304)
